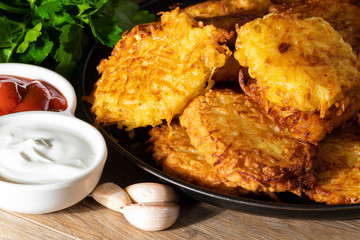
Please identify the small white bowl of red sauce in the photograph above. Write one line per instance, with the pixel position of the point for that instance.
(26, 87)
(49, 159)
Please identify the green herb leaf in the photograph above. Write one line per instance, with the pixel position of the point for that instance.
(48, 8)
(34, 31)
(5, 33)
(30, 36)
(72, 42)
(142, 17)
(125, 11)
(10, 33)
(105, 29)
(5, 54)
(97, 3)
(38, 51)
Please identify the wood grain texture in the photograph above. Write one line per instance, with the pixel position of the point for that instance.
(89, 220)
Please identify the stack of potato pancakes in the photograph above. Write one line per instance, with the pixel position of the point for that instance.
(244, 97)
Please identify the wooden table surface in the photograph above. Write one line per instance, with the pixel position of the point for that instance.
(90, 220)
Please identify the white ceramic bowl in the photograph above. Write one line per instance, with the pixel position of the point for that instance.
(43, 74)
(50, 197)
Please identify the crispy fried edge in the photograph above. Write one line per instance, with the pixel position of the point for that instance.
(300, 178)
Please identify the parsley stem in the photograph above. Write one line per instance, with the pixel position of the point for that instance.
(18, 24)
(11, 9)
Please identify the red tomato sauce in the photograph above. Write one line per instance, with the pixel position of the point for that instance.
(18, 94)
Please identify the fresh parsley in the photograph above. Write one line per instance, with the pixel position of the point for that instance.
(60, 31)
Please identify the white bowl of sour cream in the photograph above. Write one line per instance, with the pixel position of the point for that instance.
(48, 160)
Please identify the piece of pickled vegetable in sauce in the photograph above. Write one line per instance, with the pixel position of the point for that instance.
(18, 94)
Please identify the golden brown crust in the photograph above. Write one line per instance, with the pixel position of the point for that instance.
(229, 22)
(342, 15)
(154, 71)
(229, 72)
(178, 158)
(215, 8)
(304, 75)
(245, 146)
(338, 182)
(302, 64)
(306, 126)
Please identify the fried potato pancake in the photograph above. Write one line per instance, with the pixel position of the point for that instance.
(306, 126)
(230, 71)
(153, 72)
(217, 8)
(343, 17)
(229, 22)
(245, 146)
(303, 64)
(180, 159)
(301, 69)
(338, 182)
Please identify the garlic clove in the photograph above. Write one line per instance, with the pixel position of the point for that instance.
(151, 192)
(152, 216)
(111, 195)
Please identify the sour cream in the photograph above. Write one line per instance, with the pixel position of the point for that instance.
(39, 154)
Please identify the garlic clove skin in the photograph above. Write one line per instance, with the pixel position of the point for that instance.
(152, 216)
(151, 192)
(111, 196)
